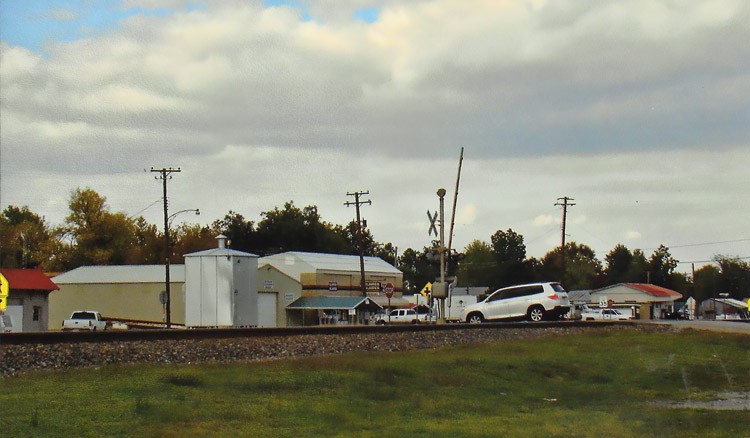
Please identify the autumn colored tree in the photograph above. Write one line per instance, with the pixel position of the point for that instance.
(100, 237)
(25, 238)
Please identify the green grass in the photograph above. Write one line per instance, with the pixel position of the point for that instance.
(579, 385)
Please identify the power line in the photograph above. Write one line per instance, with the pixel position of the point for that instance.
(702, 244)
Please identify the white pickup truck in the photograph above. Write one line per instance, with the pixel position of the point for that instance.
(404, 316)
(603, 314)
(85, 320)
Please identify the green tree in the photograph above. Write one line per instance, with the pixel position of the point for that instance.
(478, 266)
(100, 237)
(735, 276)
(295, 229)
(637, 273)
(706, 282)
(661, 266)
(149, 244)
(581, 266)
(240, 232)
(510, 255)
(25, 239)
(417, 269)
(618, 263)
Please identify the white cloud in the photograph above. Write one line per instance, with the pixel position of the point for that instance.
(543, 220)
(632, 235)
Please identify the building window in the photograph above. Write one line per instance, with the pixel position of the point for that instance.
(37, 313)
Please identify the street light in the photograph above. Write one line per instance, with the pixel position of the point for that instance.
(167, 298)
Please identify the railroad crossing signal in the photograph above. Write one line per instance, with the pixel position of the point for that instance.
(432, 219)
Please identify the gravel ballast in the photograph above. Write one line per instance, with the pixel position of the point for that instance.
(19, 359)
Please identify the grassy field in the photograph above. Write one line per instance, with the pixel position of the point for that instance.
(616, 384)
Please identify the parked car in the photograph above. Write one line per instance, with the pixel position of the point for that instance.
(535, 302)
(404, 316)
(604, 314)
(85, 320)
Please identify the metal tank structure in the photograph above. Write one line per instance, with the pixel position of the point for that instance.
(220, 287)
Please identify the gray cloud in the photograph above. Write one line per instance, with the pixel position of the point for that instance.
(635, 108)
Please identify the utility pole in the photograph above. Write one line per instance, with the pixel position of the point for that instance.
(164, 175)
(356, 204)
(565, 204)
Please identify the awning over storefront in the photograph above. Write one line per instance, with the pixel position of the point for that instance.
(382, 301)
(332, 303)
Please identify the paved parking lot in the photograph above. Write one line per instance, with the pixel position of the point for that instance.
(718, 325)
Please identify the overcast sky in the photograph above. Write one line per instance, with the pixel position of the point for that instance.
(639, 110)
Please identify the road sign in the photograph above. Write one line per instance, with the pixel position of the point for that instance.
(4, 291)
(602, 301)
(432, 219)
(388, 289)
(425, 292)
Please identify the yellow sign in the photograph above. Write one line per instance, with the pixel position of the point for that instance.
(4, 289)
(426, 290)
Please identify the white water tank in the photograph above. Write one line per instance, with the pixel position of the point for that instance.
(220, 288)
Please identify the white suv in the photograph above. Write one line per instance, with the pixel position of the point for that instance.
(534, 301)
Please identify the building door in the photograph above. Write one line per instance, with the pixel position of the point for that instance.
(267, 310)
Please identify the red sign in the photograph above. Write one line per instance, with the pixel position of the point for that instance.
(388, 289)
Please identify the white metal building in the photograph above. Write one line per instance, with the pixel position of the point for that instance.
(221, 288)
(647, 300)
(289, 276)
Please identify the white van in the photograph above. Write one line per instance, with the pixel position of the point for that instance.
(535, 302)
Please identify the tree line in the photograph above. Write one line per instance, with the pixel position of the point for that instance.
(93, 235)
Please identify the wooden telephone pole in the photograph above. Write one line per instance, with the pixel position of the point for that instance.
(164, 175)
(357, 202)
(565, 204)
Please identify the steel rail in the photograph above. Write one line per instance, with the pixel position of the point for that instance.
(56, 337)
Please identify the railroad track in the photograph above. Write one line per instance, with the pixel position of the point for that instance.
(56, 337)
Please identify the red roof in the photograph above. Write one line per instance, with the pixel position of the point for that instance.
(28, 279)
(654, 291)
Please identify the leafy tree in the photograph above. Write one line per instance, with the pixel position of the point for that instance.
(417, 269)
(706, 282)
(149, 244)
(239, 232)
(294, 229)
(618, 265)
(100, 237)
(581, 265)
(510, 254)
(661, 266)
(735, 276)
(637, 273)
(25, 239)
(478, 266)
(188, 239)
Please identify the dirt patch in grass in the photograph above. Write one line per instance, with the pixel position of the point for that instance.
(725, 401)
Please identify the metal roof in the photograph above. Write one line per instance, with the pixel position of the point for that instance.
(295, 263)
(330, 303)
(218, 252)
(121, 274)
(28, 279)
